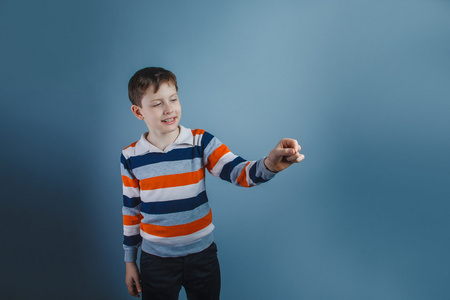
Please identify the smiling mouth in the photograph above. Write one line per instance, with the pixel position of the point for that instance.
(171, 120)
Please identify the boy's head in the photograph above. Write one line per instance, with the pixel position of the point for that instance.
(154, 94)
(145, 78)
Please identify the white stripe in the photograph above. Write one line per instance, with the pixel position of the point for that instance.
(247, 172)
(198, 139)
(130, 192)
(173, 193)
(222, 161)
(130, 230)
(179, 240)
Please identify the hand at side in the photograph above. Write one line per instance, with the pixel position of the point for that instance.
(132, 279)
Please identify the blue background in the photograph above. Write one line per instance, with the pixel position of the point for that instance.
(363, 85)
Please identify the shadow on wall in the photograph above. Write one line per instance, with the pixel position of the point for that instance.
(47, 229)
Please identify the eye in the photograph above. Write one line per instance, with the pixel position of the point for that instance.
(173, 100)
(156, 104)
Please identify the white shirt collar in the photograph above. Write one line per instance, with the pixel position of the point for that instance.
(185, 137)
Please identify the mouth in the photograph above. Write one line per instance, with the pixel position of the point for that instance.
(169, 121)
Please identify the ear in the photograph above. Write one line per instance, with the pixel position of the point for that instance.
(137, 112)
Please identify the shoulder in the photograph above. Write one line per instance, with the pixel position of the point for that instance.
(201, 137)
(129, 150)
(137, 148)
(130, 146)
(200, 133)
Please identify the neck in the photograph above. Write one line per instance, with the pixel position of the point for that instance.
(161, 141)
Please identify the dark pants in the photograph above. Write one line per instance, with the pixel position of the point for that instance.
(199, 273)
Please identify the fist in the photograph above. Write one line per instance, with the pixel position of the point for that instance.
(286, 153)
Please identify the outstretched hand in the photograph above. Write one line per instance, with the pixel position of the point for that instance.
(283, 155)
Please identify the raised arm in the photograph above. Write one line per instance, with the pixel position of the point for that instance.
(221, 162)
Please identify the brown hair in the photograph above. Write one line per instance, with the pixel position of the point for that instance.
(144, 78)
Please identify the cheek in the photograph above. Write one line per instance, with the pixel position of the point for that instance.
(155, 111)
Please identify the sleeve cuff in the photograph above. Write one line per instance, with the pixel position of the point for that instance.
(263, 171)
(131, 255)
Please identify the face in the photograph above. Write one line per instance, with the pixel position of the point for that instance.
(161, 111)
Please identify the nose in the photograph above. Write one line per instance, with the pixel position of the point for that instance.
(168, 109)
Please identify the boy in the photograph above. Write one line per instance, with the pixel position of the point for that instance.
(166, 209)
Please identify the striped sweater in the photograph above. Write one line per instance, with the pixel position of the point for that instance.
(165, 206)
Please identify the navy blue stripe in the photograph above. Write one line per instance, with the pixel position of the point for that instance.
(228, 168)
(167, 207)
(131, 202)
(174, 155)
(124, 161)
(253, 177)
(132, 240)
(206, 138)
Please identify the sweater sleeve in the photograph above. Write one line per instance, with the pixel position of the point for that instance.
(221, 162)
(131, 211)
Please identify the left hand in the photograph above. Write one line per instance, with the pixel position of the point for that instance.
(283, 155)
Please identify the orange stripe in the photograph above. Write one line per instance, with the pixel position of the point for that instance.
(132, 145)
(242, 179)
(128, 182)
(197, 131)
(132, 220)
(178, 230)
(216, 156)
(174, 180)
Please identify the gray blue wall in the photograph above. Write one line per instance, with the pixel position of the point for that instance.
(363, 85)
